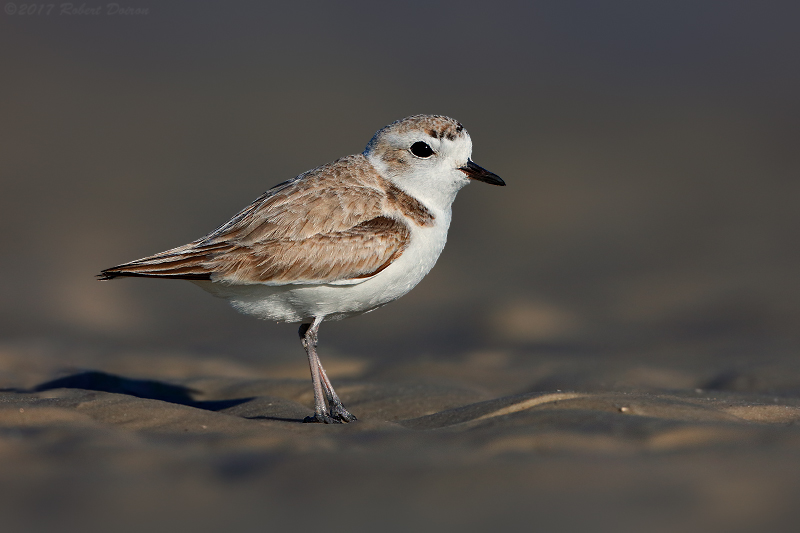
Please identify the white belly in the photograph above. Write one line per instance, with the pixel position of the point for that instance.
(335, 301)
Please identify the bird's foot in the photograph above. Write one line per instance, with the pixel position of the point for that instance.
(340, 413)
(337, 415)
(320, 418)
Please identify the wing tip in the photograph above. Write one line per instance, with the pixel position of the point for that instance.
(113, 274)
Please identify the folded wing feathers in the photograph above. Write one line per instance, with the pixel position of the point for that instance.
(358, 252)
(293, 234)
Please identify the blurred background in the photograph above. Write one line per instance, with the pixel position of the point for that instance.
(650, 152)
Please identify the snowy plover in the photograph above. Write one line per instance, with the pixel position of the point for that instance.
(336, 241)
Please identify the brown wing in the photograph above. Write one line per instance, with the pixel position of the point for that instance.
(301, 231)
(329, 199)
(359, 252)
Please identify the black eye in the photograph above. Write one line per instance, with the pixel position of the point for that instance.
(421, 149)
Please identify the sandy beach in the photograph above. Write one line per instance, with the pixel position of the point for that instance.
(455, 445)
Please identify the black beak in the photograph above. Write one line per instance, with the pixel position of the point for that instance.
(476, 172)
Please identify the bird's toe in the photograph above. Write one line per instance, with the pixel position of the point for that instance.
(319, 418)
(339, 412)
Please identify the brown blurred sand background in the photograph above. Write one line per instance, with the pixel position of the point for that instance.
(609, 343)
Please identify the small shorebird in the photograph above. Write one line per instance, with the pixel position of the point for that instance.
(336, 241)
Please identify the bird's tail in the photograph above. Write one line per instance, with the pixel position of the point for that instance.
(185, 262)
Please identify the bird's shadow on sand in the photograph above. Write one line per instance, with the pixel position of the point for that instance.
(140, 388)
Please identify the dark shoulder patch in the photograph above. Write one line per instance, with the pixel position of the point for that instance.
(408, 205)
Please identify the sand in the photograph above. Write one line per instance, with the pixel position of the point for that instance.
(462, 443)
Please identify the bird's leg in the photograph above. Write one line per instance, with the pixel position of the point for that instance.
(328, 407)
(337, 410)
(308, 336)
